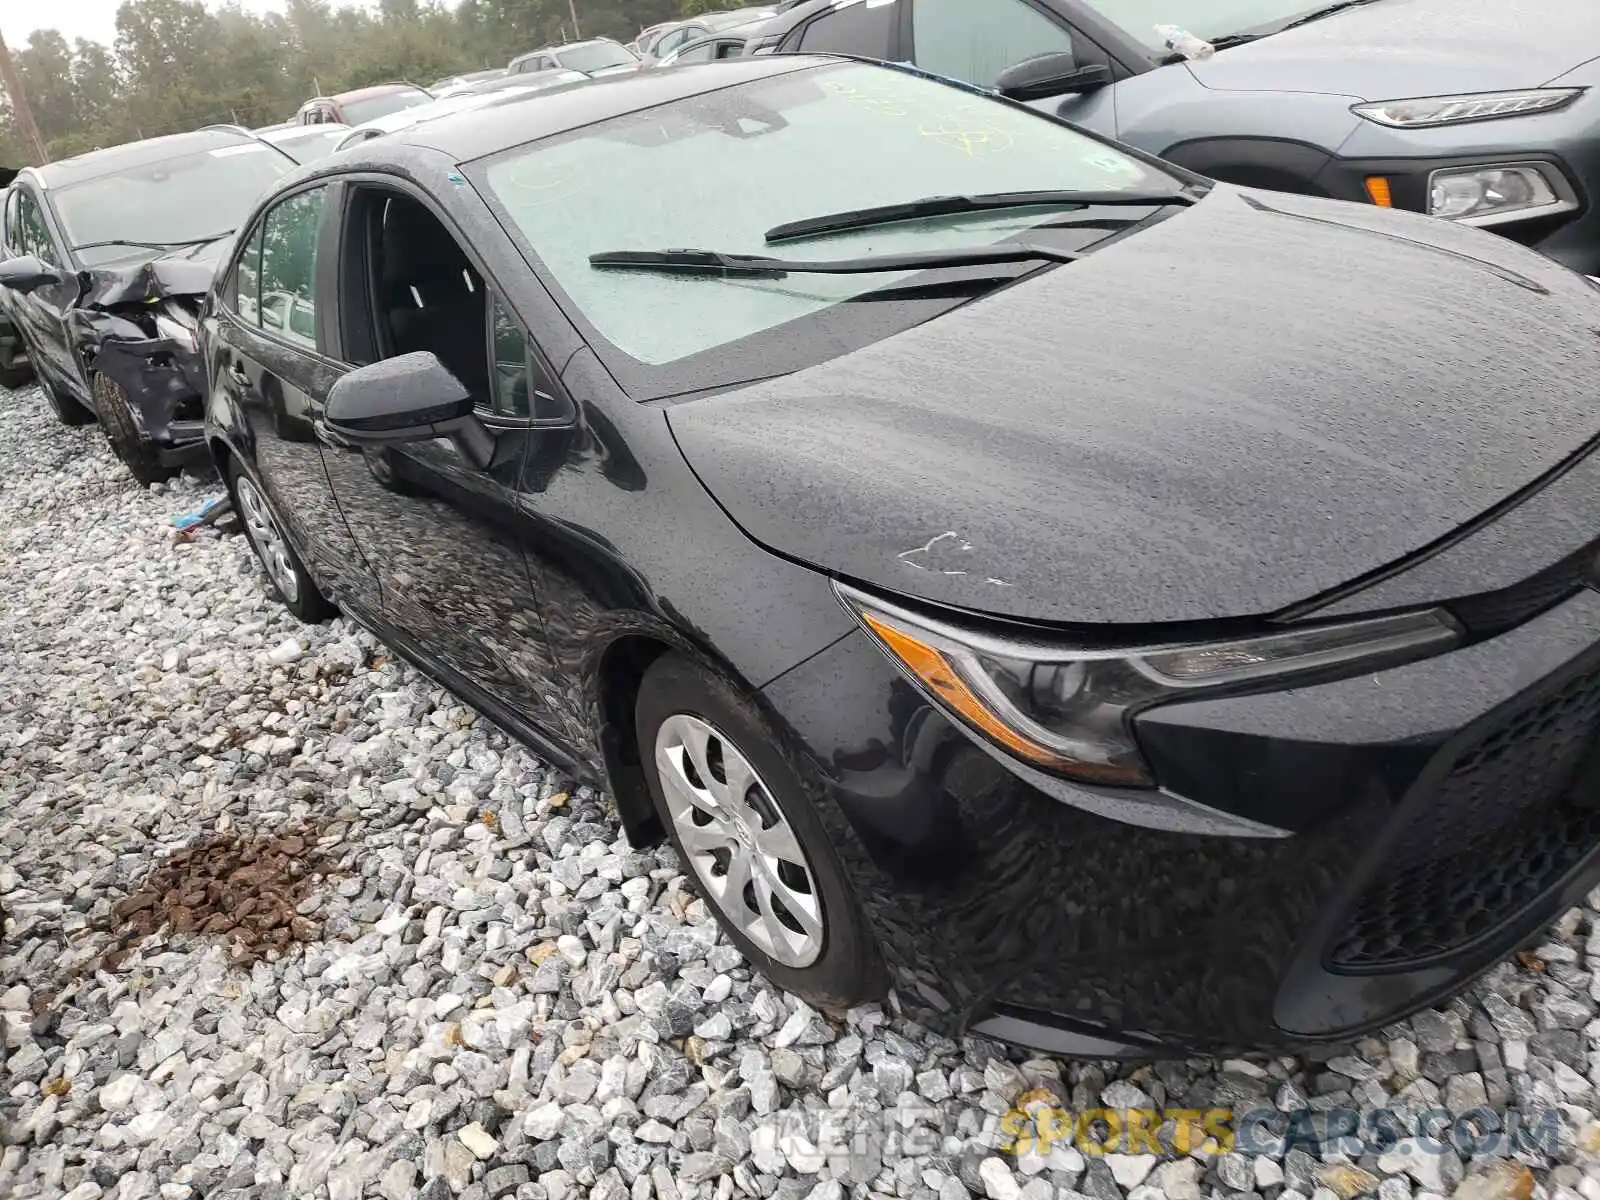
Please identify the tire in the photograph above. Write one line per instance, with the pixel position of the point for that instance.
(137, 452)
(67, 410)
(287, 577)
(840, 966)
(19, 372)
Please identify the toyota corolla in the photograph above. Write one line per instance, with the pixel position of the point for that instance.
(1125, 613)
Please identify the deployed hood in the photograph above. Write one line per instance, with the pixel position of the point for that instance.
(1394, 49)
(181, 273)
(1257, 400)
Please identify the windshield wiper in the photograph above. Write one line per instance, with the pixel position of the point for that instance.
(1322, 12)
(199, 241)
(715, 262)
(945, 206)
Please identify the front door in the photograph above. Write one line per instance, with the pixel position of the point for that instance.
(441, 533)
(271, 365)
(41, 316)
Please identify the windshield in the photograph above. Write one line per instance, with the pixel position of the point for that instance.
(176, 200)
(596, 56)
(718, 170)
(357, 112)
(1215, 19)
(308, 147)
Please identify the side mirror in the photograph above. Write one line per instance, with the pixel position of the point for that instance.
(410, 398)
(1050, 75)
(27, 274)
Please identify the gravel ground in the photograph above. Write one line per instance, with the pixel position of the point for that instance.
(284, 920)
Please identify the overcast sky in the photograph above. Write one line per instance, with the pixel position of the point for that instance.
(95, 19)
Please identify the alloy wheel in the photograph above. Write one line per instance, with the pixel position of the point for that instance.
(270, 545)
(738, 841)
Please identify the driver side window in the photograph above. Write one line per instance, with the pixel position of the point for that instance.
(423, 293)
(973, 41)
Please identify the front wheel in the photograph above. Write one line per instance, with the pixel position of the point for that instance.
(737, 814)
(285, 572)
(128, 442)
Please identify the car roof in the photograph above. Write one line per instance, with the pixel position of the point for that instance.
(377, 89)
(294, 133)
(437, 110)
(130, 155)
(557, 49)
(515, 120)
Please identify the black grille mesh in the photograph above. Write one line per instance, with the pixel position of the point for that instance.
(1498, 833)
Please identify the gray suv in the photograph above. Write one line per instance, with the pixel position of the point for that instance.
(1481, 111)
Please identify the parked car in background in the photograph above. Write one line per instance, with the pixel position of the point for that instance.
(1472, 110)
(714, 48)
(530, 81)
(107, 258)
(459, 83)
(361, 105)
(596, 57)
(648, 34)
(876, 535)
(464, 102)
(305, 143)
(671, 37)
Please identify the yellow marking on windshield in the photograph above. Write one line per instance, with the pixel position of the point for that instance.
(965, 125)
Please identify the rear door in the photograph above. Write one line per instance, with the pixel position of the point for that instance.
(271, 365)
(41, 316)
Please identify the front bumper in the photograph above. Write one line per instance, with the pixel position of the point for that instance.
(164, 383)
(1429, 820)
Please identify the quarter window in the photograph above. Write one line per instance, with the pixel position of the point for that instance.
(247, 282)
(975, 40)
(514, 383)
(285, 281)
(32, 233)
(13, 234)
(864, 28)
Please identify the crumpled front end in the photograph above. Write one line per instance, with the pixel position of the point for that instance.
(138, 328)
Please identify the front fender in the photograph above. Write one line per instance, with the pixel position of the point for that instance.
(157, 374)
(227, 427)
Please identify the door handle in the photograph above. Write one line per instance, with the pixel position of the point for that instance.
(238, 375)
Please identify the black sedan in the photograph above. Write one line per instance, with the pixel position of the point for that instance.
(1125, 613)
(106, 259)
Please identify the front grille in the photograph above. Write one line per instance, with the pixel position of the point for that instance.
(1499, 832)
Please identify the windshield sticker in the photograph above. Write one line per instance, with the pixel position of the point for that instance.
(229, 151)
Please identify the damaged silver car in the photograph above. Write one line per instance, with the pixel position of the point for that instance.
(106, 259)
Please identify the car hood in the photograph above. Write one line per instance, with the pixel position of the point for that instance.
(1392, 49)
(133, 281)
(1257, 400)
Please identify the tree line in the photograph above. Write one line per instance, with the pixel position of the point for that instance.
(176, 64)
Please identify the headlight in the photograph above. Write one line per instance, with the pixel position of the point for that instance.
(1490, 195)
(1069, 710)
(1429, 111)
(178, 325)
